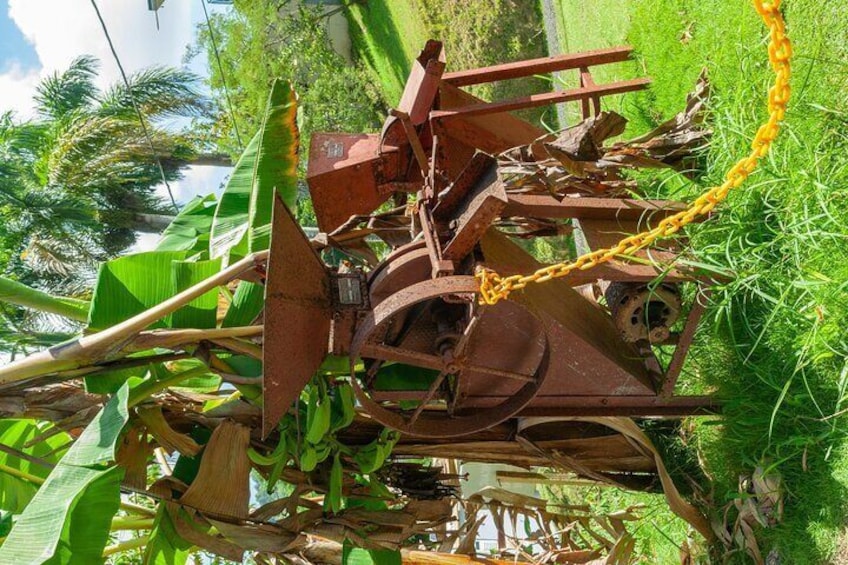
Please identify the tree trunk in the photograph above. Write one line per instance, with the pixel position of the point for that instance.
(150, 223)
(211, 160)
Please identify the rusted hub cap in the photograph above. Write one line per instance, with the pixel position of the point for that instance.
(437, 325)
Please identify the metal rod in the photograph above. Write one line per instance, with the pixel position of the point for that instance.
(542, 65)
(543, 99)
(546, 206)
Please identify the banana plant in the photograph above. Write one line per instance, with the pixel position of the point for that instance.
(167, 329)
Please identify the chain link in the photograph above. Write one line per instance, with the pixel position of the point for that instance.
(493, 287)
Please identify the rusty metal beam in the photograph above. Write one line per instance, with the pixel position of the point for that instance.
(422, 85)
(452, 196)
(683, 342)
(546, 206)
(587, 80)
(543, 99)
(474, 216)
(537, 66)
(644, 406)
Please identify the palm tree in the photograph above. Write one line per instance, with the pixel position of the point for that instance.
(79, 179)
(74, 179)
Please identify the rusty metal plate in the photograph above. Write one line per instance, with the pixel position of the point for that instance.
(475, 214)
(297, 316)
(588, 357)
(345, 175)
(491, 134)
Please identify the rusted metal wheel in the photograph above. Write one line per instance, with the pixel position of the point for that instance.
(469, 349)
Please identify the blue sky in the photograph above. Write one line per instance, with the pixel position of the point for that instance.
(13, 45)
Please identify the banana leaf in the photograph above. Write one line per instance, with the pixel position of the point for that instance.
(15, 492)
(68, 520)
(189, 230)
(132, 284)
(248, 301)
(269, 164)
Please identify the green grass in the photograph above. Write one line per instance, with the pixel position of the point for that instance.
(773, 342)
(388, 34)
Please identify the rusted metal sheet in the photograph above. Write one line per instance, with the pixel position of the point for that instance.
(475, 214)
(298, 310)
(492, 134)
(345, 175)
(542, 65)
(588, 355)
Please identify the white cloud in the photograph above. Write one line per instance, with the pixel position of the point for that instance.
(197, 180)
(17, 87)
(61, 31)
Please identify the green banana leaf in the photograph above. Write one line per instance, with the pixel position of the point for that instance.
(248, 300)
(20, 294)
(129, 285)
(189, 230)
(5, 523)
(165, 546)
(269, 163)
(202, 311)
(15, 492)
(68, 520)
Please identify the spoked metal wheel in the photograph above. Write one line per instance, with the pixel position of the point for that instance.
(470, 350)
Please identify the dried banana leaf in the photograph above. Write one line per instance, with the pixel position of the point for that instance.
(222, 485)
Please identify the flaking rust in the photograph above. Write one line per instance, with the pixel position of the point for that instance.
(450, 185)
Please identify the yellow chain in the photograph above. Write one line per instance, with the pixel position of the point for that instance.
(493, 287)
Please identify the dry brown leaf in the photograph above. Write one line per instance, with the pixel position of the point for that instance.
(169, 439)
(256, 537)
(132, 455)
(222, 485)
(194, 531)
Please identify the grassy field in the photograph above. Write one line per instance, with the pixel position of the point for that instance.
(773, 343)
(388, 34)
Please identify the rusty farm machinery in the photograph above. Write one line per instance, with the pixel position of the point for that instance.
(453, 184)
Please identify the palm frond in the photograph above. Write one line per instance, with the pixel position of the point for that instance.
(159, 92)
(64, 92)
